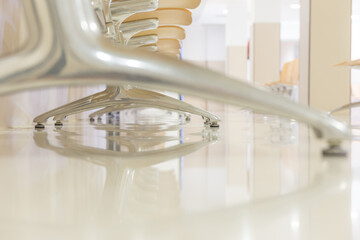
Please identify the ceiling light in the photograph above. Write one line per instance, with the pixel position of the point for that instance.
(295, 6)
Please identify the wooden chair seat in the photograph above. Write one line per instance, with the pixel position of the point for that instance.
(190, 4)
(169, 32)
(166, 16)
(164, 45)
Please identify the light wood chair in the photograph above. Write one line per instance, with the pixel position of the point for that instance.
(189, 4)
(354, 64)
(289, 79)
(164, 45)
(290, 73)
(166, 16)
(168, 32)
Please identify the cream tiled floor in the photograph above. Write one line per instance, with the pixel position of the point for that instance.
(156, 177)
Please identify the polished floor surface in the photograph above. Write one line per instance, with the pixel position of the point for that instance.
(152, 175)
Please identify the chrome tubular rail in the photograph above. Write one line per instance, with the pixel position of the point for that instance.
(67, 48)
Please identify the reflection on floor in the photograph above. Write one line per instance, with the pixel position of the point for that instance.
(152, 175)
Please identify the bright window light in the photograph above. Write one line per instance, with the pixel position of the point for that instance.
(295, 6)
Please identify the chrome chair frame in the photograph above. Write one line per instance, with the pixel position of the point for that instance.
(143, 40)
(65, 51)
(112, 31)
(113, 95)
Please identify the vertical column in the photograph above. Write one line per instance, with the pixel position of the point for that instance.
(237, 35)
(304, 52)
(265, 68)
(265, 41)
(330, 44)
(238, 155)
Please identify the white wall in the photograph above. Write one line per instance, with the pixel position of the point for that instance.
(205, 43)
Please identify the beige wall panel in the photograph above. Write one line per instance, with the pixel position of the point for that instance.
(218, 66)
(213, 107)
(237, 62)
(304, 52)
(265, 53)
(330, 44)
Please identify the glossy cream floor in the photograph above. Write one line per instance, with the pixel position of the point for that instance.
(153, 176)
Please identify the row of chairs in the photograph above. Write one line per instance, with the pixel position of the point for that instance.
(67, 47)
(137, 24)
(289, 79)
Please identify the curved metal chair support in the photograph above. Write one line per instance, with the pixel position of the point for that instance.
(108, 93)
(67, 50)
(126, 103)
(347, 106)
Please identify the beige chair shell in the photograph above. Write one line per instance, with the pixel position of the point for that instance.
(353, 64)
(171, 54)
(165, 45)
(166, 16)
(191, 4)
(289, 74)
(162, 32)
(171, 51)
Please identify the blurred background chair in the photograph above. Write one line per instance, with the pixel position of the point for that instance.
(289, 79)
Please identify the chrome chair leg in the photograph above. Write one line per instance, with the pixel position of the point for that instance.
(108, 93)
